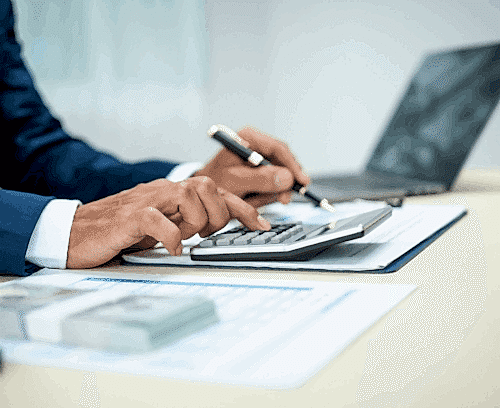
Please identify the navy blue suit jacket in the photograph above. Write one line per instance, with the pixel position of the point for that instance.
(39, 161)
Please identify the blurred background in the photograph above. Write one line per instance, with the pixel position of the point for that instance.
(147, 78)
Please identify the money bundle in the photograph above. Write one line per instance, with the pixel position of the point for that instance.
(138, 323)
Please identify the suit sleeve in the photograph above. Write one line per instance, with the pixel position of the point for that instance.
(19, 213)
(36, 154)
(39, 161)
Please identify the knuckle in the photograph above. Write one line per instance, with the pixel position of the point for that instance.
(194, 180)
(222, 192)
(207, 185)
(185, 189)
(282, 147)
(146, 215)
(200, 180)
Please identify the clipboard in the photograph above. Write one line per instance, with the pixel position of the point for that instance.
(410, 230)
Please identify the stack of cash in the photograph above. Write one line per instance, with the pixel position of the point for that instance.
(104, 319)
(138, 323)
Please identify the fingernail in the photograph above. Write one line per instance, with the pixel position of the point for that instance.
(265, 224)
(282, 178)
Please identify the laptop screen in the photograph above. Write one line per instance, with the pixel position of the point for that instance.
(443, 111)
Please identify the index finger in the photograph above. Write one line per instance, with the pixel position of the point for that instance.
(275, 151)
(243, 212)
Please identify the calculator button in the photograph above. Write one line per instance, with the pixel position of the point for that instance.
(283, 227)
(295, 230)
(263, 238)
(229, 235)
(286, 234)
(207, 243)
(279, 238)
(227, 238)
(246, 238)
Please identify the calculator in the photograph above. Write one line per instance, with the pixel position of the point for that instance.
(286, 241)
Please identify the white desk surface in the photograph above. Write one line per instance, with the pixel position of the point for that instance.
(439, 348)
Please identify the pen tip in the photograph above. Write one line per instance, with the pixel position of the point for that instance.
(326, 206)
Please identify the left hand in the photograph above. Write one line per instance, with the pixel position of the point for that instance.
(266, 184)
(151, 212)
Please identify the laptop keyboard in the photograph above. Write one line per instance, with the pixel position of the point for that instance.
(370, 186)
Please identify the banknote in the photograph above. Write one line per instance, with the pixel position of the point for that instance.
(18, 299)
(138, 323)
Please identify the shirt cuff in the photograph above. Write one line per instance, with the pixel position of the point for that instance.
(49, 242)
(183, 171)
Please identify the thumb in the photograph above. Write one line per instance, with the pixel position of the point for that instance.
(264, 179)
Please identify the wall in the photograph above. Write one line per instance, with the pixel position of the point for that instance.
(147, 78)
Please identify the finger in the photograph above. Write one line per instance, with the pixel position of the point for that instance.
(261, 200)
(243, 212)
(274, 150)
(190, 215)
(215, 206)
(151, 222)
(265, 179)
(285, 198)
(145, 243)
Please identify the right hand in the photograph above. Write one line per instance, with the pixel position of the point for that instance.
(159, 211)
(258, 185)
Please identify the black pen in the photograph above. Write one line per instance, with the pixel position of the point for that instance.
(231, 141)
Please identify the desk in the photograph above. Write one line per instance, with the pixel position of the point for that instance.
(439, 348)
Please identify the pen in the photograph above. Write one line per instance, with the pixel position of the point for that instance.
(231, 141)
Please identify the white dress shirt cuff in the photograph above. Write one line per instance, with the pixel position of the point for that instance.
(183, 171)
(49, 242)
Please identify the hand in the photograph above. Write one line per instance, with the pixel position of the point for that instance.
(157, 211)
(271, 183)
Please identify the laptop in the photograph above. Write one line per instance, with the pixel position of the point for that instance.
(441, 115)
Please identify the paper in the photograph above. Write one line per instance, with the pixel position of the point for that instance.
(408, 227)
(271, 333)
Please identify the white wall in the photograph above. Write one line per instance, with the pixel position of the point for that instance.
(147, 78)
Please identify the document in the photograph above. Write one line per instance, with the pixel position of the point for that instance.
(388, 247)
(268, 333)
